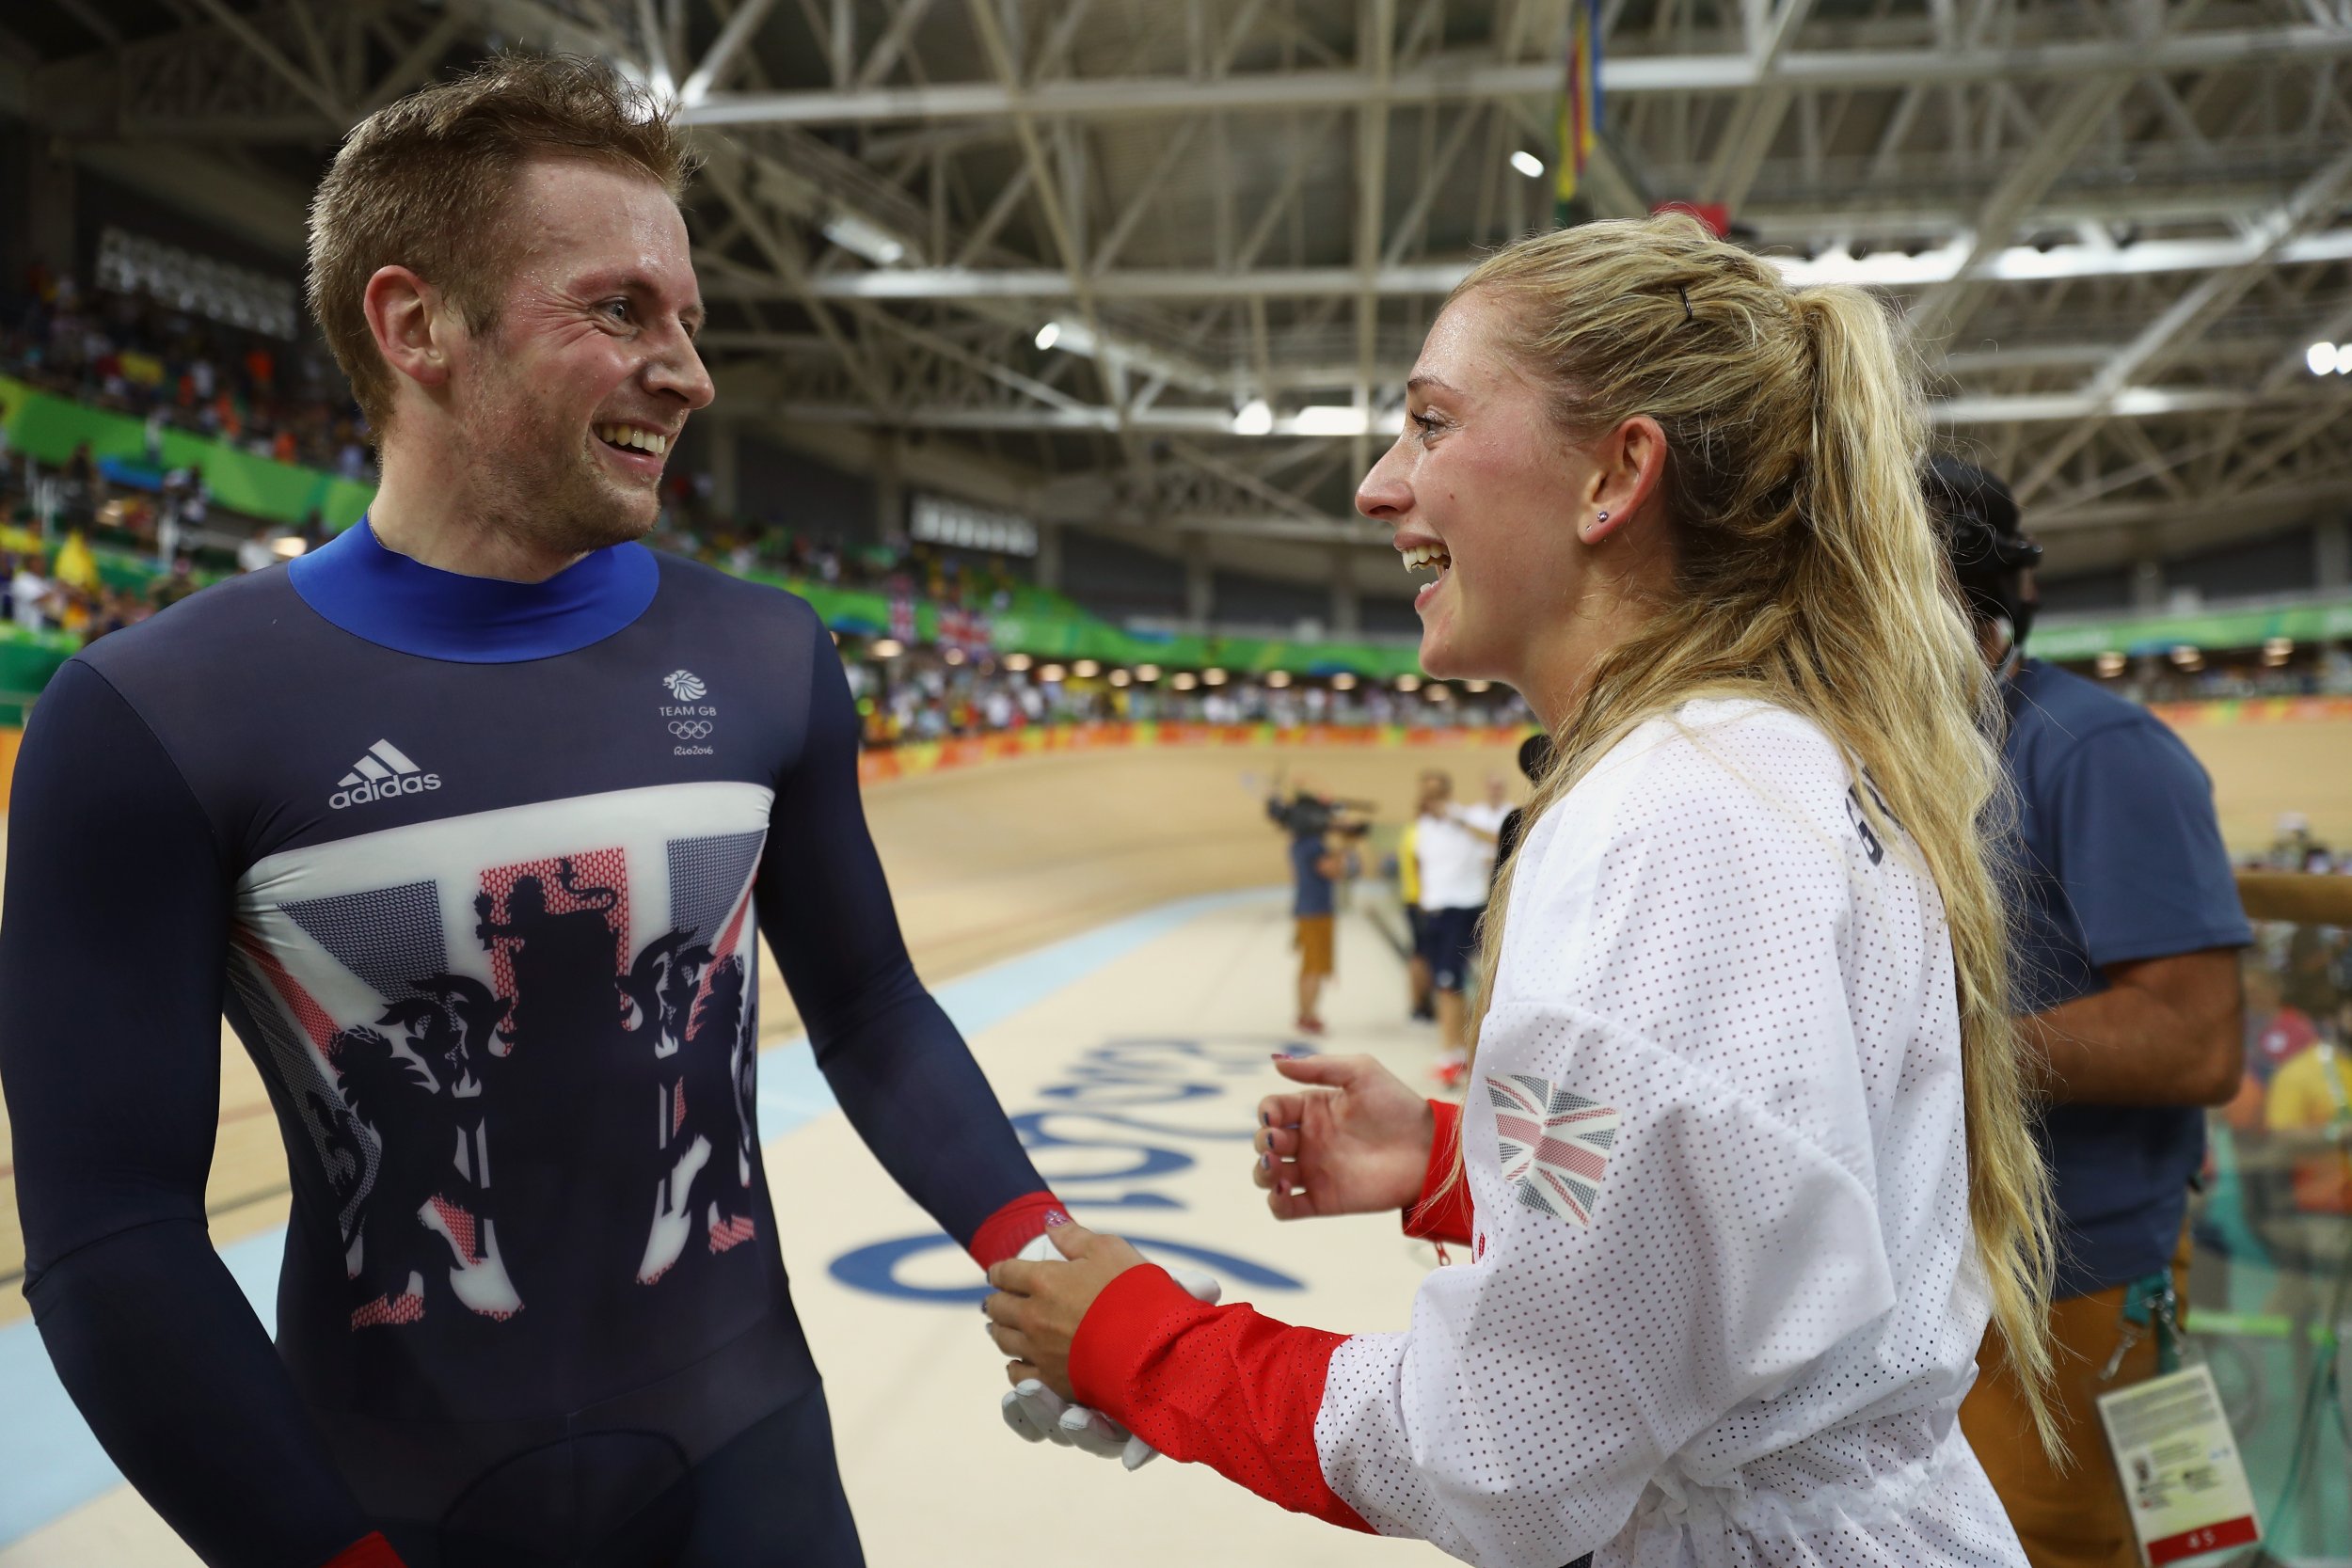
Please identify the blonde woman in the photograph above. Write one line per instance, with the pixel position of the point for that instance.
(1744, 1168)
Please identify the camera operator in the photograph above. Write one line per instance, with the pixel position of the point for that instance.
(2127, 930)
(1320, 832)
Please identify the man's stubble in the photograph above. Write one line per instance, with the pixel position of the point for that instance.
(545, 488)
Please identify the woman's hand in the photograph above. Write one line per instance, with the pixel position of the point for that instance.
(1037, 1308)
(1356, 1144)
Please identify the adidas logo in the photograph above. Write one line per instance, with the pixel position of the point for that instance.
(382, 773)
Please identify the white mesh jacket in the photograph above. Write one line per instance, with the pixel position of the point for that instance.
(1722, 1301)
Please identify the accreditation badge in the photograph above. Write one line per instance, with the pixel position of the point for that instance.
(2180, 1466)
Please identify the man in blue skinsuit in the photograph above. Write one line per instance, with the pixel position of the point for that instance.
(470, 821)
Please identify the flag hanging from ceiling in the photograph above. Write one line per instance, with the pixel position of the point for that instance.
(1580, 105)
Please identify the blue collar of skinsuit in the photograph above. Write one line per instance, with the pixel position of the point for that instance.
(401, 603)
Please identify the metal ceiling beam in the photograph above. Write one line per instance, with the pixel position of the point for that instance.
(1938, 314)
(1463, 78)
(2109, 389)
(2016, 264)
(1992, 409)
(1754, 123)
(712, 67)
(1286, 372)
(1375, 49)
(268, 53)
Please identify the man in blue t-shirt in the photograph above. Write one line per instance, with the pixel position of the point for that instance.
(2127, 978)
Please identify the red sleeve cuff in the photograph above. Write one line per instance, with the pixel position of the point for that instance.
(1014, 1226)
(1224, 1387)
(1443, 1217)
(371, 1552)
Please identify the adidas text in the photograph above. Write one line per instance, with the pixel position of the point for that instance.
(384, 789)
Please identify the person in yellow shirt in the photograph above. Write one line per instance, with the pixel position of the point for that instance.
(2309, 1115)
(1418, 999)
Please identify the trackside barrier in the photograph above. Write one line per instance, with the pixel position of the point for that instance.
(2253, 710)
(936, 757)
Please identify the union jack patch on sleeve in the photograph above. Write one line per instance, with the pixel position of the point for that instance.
(1555, 1145)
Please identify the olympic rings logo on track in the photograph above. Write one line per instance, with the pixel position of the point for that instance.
(690, 729)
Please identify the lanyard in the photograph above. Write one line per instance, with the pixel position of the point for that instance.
(2147, 1302)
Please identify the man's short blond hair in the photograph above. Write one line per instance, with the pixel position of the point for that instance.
(422, 184)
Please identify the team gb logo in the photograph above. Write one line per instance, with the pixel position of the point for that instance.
(685, 686)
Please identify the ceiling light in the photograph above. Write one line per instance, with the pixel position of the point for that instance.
(1147, 671)
(1052, 673)
(1528, 164)
(1479, 685)
(2321, 357)
(851, 233)
(1279, 678)
(1016, 662)
(1213, 677)
(1438, 693)
(2185, 656)
(2111, 664)
(1329, 419)
(1255, 418)
(889, 647)
(1120, 677)
(1085, 669)
(288, 544)
(1048, 335)
(1342, 682)
(1183, 681)
(953, 656)
(1408, 683)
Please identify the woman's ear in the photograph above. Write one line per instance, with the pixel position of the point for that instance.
(1629, 464)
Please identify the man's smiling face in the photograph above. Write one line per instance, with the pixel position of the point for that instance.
(575, 394)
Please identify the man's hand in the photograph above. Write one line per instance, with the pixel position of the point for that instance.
(1358, 1144)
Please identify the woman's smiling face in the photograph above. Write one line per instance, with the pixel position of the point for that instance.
(1483, 482)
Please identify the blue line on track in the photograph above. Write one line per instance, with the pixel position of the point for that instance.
(51, 1464)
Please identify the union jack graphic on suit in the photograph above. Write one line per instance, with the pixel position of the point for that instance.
(1555, 1145)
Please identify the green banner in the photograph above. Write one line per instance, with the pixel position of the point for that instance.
(2323, 621)
(28, 659)
(50, 428)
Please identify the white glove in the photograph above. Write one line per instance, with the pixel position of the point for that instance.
(1036, 1414)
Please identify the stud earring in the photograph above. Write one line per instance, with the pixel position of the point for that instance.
(1602, 518)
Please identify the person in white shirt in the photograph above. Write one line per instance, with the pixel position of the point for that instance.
(1453, 858)
(28, 596)
(1489, 814)
(255, 554)
(1745, 1168)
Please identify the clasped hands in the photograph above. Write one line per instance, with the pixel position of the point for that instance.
(1355, 1141)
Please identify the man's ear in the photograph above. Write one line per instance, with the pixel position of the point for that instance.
(412, 322)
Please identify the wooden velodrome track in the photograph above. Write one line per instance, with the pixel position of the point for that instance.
(1011, 856)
